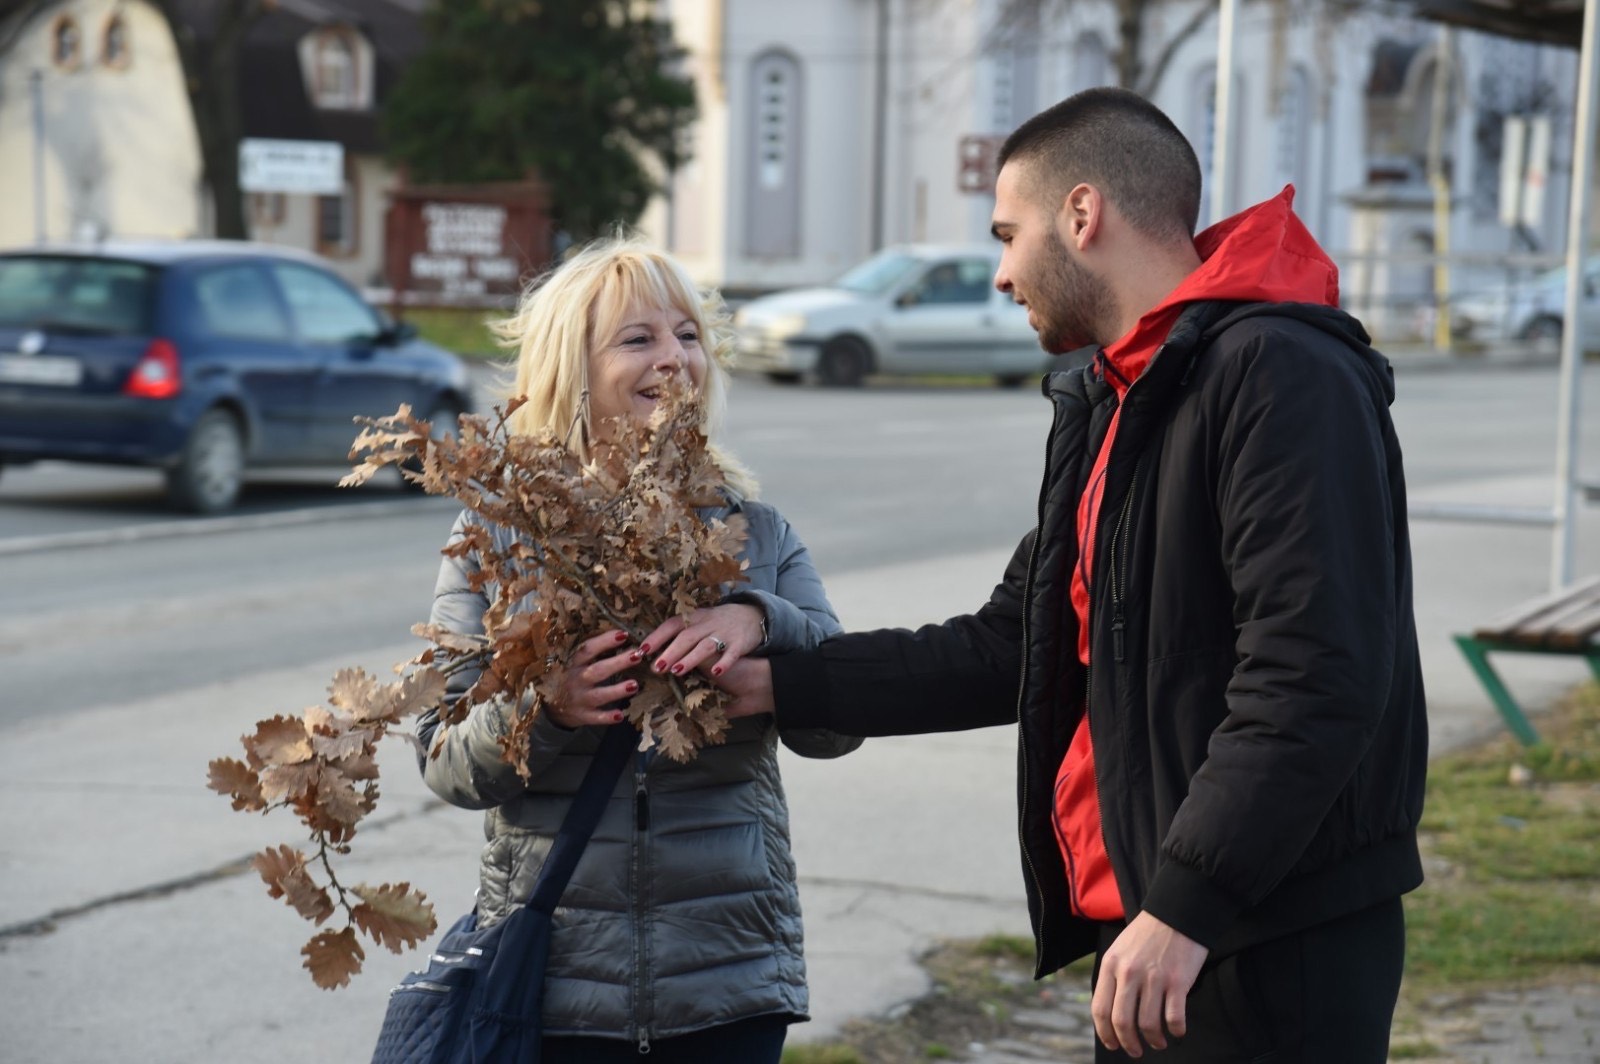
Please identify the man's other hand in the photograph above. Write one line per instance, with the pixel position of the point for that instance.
(1145, 978)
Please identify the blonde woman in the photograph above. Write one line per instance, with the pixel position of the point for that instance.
(679, 934)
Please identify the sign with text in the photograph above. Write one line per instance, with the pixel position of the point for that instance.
(466, 244)
(1524, 170)
(977, 165)
(310, 167)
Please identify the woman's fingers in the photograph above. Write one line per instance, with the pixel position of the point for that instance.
(590, 687)
(664, 634)
(717, 637)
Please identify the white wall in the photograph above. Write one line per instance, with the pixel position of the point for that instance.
(121, 152)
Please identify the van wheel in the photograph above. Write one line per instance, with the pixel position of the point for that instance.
(210, 472)
(843, 363)
(442, 421)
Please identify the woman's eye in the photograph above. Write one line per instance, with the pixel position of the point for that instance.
(689, 337)
(636, 341)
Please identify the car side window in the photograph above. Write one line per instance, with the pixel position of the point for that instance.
(237, 301)
(325, 311)
(954, 281)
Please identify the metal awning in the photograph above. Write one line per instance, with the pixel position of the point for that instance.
(1547, 21)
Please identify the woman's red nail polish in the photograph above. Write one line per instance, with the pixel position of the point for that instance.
(636, 656)
(633, 686)
(644, 648)
(621, 637)
(717, 671)
(616, 718)
(677, 670)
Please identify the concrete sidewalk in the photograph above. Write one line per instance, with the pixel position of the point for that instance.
(161, 948)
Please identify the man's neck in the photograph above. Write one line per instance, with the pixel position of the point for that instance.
(1146, 280)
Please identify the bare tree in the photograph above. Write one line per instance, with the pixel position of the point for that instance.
(1133, 18)
(210, 38)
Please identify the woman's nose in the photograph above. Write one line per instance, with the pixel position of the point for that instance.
(671, 359)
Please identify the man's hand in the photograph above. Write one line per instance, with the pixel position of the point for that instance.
(1145, 978)
(749, 681)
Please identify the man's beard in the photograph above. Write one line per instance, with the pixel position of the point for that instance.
(1070, 303)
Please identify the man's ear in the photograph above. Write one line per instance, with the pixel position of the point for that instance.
(1082, 211)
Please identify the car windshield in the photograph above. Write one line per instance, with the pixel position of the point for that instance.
(68, 294)
(878, 274)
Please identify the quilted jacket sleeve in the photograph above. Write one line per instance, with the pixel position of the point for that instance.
(799, 616)
(462, 763)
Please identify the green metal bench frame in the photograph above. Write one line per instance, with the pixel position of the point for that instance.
(1566, 623)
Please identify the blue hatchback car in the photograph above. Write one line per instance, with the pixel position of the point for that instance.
(201, 358)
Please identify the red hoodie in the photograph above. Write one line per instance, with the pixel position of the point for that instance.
(1262, 254)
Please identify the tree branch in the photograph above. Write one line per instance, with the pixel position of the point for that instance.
(1152, 79)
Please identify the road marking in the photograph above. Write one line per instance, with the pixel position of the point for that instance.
(210, 526)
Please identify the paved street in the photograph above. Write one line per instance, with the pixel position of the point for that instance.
(139, 646)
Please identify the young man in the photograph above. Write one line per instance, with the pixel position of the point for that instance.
(1208, 640)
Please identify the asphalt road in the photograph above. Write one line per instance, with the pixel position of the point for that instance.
(106, 596)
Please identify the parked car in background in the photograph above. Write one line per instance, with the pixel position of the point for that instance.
(913, 309)
(1530, 311)
(201, 359)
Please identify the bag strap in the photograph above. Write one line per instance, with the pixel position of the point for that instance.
(587, 805)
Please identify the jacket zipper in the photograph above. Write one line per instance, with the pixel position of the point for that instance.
(1022, 688)
(641, 824)
(1119, 572)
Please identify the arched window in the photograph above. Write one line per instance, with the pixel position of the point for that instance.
(1293, 156)
(114, 43)
(1204, 138)
(772, 213)
(1090, 63)
(335, 70)
(66, 43)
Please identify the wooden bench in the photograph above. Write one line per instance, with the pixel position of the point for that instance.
(1564, 622)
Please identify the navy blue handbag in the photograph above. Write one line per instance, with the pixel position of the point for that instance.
(478, 1000)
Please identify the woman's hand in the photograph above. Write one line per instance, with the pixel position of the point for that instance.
(586, 684)
(719, 636)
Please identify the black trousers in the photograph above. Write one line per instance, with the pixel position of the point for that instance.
(1324, 995)
(758, 1040)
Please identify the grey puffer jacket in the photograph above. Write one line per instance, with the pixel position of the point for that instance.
(683, 912)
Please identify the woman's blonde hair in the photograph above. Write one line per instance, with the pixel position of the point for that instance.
(564, 314)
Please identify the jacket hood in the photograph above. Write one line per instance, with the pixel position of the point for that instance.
(1263, 254)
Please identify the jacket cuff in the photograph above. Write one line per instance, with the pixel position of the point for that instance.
(1191, 904)
(786, 625)
(801, 694)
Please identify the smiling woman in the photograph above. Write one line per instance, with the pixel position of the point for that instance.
(679, 934)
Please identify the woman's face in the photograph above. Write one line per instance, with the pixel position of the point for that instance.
(630, 370)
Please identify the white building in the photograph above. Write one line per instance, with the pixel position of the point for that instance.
(833, 127)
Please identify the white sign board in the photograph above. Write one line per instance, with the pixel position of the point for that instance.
(1524, 170)
(1537, 173)
(313, 167)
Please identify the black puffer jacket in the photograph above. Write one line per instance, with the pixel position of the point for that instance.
(1256, 695)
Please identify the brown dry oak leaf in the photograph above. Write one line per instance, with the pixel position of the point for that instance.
(238, 781)
(332, 957)
(284, 871)
(393, 915)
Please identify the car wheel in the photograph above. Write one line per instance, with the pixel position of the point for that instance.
(1543, 333)
(784, 378)
(1012, 380)
(210, 471)
(442, 422)
(844, 362)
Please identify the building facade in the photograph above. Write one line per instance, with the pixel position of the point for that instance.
(835, 127)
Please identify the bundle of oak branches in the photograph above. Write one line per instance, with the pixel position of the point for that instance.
(617, 542)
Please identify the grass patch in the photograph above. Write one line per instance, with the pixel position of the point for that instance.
(463, 330)
(1513, 866)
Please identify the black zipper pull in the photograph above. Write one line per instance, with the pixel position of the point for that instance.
(641, 807)
(1118, 642)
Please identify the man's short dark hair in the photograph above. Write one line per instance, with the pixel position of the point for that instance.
(1120, 143)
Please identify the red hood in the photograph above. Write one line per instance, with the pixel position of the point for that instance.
(1263, 254)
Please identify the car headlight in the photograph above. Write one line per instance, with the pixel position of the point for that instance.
(785, 325)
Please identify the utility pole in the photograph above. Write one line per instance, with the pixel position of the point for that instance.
(880, 125)
(1443, 75)
(1222, 117)
(36, 92)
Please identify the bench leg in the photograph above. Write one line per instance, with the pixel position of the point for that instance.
(1478, 657)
